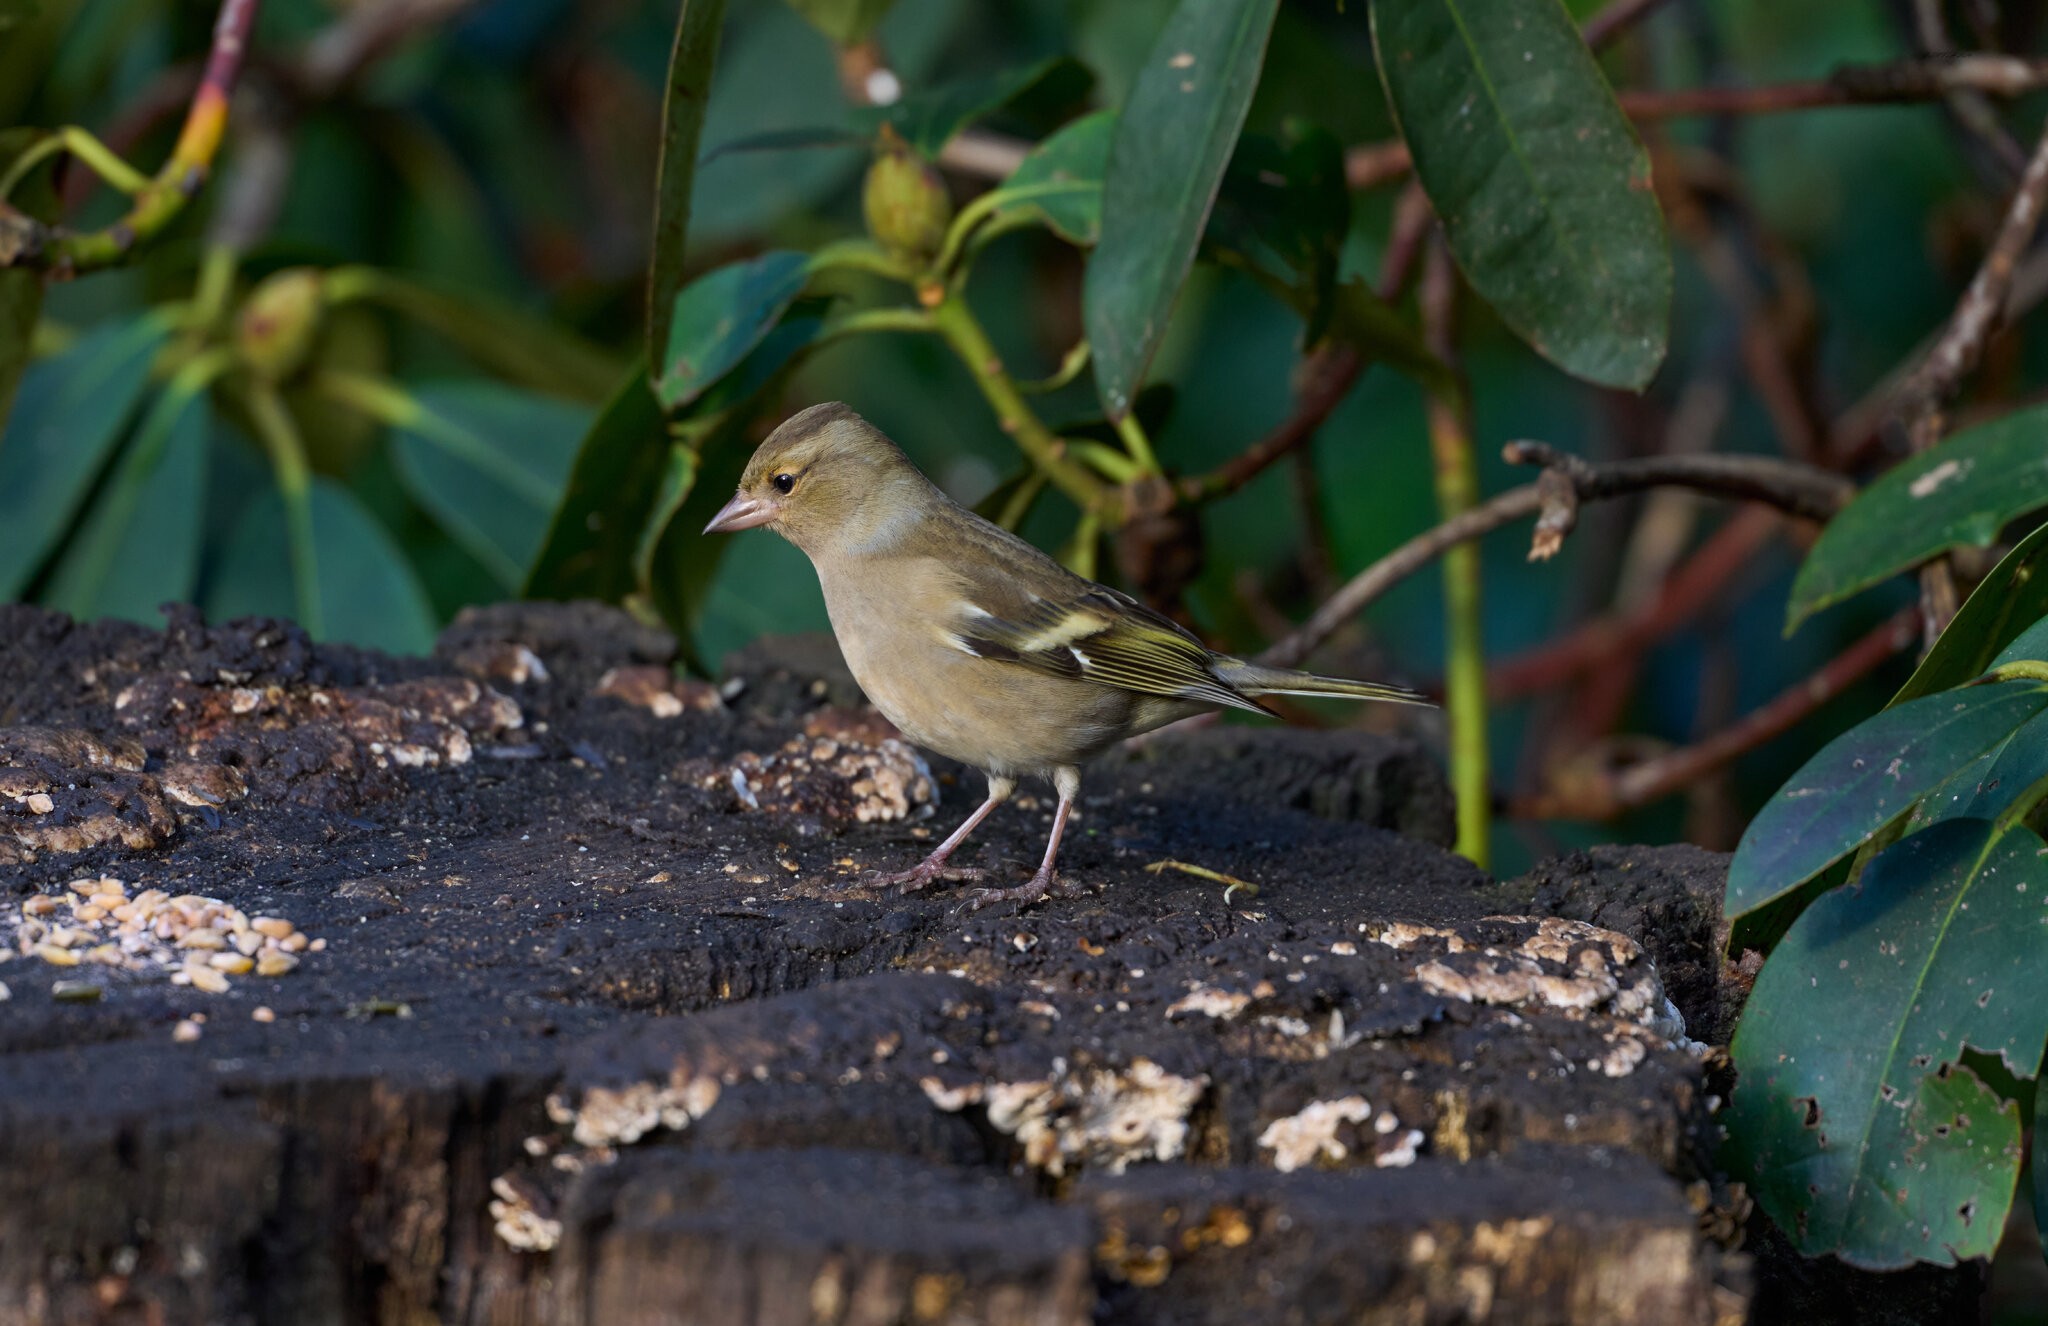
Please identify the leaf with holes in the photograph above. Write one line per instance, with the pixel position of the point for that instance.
(68, 417)
(1854, 1124)
(1959, 494)
(1540, 181)
(1868, 777)
(1166, 161)
(721, 316)
(489, 464)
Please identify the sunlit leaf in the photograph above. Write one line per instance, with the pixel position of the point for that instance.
(1865, 779)
(1166, 159)
(138, 547)
(682, 125)
(1959, 494)
(1853, 1122)
(68, 416)
(368, 594)
(1538, 178)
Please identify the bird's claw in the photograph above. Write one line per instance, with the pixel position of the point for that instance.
(921, 875)
(1040, 887)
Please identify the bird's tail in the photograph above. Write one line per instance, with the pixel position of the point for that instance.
(1251, 679)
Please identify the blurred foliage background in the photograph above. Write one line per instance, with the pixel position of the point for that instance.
(466, 188)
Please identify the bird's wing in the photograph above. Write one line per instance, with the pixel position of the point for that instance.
(1090, 632)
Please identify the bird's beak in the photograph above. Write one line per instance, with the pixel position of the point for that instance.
(743, 512)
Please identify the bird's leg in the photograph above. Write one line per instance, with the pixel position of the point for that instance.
(934, 866)
(1068, 783)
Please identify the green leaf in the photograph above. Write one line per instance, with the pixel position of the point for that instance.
(367, 594)
(1285, 208)
(786, 140)
(67, 418)
(721, 316)
(588, 548)
(1958, 494)
(843, 21)
(1059, 182)
(2029, 645)
(2040, 1162)
(507, 341)
(682, 124)
(1854, 1123)
(21, 301)
(928, 120)
(1166, 160)
(1540, 181)
(1865, 779)
(139, 545)
(489, 463)
(1996, 617)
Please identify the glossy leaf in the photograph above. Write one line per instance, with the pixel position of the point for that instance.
(843, 21)
(368, 595)
(509, 342)
(1853, 1122)
(1541, 183)
(1059, 182)
(721, 316)
(1166, 161)
(1865, 779)
(1958, 494)
(2029, 645)
(1993, 620)
(138, 547)
(682, 125)
(68, 417)
(489, 463)
(588, 548)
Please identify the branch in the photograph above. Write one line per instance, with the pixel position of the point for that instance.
(1328, 379)
(1849, 85)
(1658, 777)
(1617, 18)
(1802, 490)
(366, 33)
(26, 242)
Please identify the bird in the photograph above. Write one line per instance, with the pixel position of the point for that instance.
(974, 643)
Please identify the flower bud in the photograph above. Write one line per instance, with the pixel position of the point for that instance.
(906, 203)
(279, 322)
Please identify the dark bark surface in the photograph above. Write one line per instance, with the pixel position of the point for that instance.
(591, 1020)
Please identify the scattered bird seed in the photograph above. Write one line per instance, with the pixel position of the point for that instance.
(195, 940)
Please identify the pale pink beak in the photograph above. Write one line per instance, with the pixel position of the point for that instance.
(743, 512)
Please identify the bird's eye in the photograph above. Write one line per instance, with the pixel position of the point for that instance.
(784, 482)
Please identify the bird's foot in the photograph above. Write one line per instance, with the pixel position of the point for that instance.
(921, 875)
(1041, 886)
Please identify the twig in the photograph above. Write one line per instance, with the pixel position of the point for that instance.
(1371, 164)
(1661, 775)
(339, 52)
(1327, 379)
(1802, 490)
(25, 241)
(1968, 107)
(1617, 18)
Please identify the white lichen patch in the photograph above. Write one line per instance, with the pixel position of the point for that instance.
(1100, 1117)
(621, 1116)
(1311, 1134)
(517, 1218)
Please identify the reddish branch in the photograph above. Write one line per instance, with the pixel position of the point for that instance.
(1610, 794)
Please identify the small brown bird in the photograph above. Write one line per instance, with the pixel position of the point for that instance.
(973, 642)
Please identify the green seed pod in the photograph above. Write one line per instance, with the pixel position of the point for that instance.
(279, 322)
(906, 203)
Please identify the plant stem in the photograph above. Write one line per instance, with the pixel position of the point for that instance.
(1457, 492)
(1133, 433)
(103, 160)
(957, 324)
(280, 438)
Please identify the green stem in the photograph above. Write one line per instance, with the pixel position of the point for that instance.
(1133, 433)
(1080, 554)
(280, 437)
(957, 324)
(1019, 506)
(1112, 464)
(210, 294)
(101, 159)
(2024, 669)
(862, 255)
(963, 226)
(880, 320)
(1070, 368)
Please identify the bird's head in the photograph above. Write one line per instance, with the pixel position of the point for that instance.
(825, 476)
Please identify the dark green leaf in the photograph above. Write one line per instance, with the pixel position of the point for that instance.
(721, 316)
(1960, 493)
(1285, 209)
(21, 301)
(2030, 644)
(68, 417)
(489, 463)
(139, 545)
(588, 549)
(368, 595)
(1541, 183)
(2040, 1165)
(1166, 159)
(510, 342)
(1060, 181)
(2009, 600)
(682, 124)
(1854, 1123)
(843, 21)
(928, 120)
(787, 140)
(1865, 779)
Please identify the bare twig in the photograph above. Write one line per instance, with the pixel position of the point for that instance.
(1661, 775)
(1802, 490)
(1327, 378)
(25, 241)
